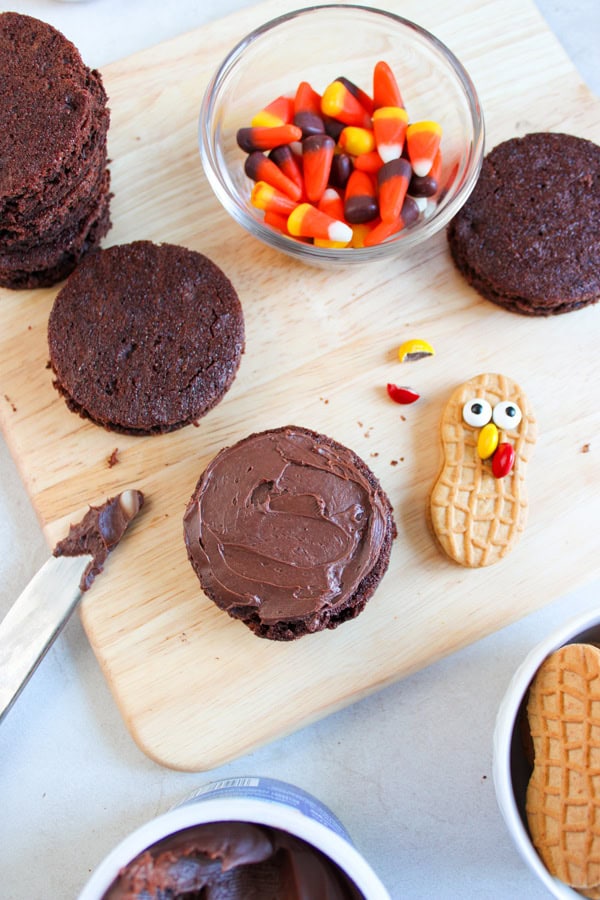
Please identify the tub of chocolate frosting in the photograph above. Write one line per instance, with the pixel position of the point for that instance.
(238, 839)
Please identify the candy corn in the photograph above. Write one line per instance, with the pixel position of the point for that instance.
(389, 130)
(332, 204)
(307, 99)
(385, 87)
(338, 102)
(289, 165)
(360, 199)
(265, 196)
(250, 139)
(317, 154)
(392, 182)
(355, 140)
(308, 221)
(279, 112)
(343, 168)
(260, 168)
(422, 142)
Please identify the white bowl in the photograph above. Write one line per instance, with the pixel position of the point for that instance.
(510, 769)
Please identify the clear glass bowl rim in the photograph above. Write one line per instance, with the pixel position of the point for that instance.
(406, 238)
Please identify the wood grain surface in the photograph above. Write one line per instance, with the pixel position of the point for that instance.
(194, 687)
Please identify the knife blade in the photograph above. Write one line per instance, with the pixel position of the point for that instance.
(41, 611)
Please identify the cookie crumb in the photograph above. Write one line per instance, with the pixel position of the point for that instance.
(393, 462)
(113, 459)
(10, 402)
(585, 448)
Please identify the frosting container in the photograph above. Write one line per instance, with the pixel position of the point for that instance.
(277, 808)
(510, 768)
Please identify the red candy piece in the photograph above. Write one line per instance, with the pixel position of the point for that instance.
(317, 155)
(385, 87)
(402, 395)
(503, 460)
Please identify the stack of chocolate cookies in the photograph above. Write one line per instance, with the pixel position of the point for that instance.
(54, 180)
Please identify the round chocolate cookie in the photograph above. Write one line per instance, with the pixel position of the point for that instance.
(145, 337)
(54, 179)
(289, 531)
(527, 237)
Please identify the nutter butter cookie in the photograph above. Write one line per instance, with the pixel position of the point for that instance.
(478, 505)
(289, 531)
(54, 179)
(563, 794)
(145, 337)
(527, 237)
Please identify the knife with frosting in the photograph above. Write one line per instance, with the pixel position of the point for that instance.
(39, 614)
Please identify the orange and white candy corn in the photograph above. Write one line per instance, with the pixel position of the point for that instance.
(422, 143)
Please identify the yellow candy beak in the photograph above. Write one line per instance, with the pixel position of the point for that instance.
(487, 441)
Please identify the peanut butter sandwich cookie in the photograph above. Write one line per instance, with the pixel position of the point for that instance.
(563, 794)
(478, 505)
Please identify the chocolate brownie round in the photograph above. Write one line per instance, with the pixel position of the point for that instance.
(289, 531)
(527, 237)
(145, 337)
(54, 180)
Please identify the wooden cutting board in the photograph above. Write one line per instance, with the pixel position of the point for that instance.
(194, 687)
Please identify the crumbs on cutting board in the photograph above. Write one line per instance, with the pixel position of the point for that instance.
(10, 403)
(113, 459)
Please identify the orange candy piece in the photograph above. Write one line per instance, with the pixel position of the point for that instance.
(307, 99)
(317, 155)
(389, 129)
(260, 168)
(265, 196)
(360, 198)
(339, 103)
(279, 112)
(308, 221)
(332, 204)
(422, 143)
(385, 87)
(392, 184)
(263, 138)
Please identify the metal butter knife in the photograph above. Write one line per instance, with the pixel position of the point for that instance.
(40, 613)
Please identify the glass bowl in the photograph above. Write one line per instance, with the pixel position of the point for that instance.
(319, 44)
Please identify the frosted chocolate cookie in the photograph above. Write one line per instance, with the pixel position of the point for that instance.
(145, 337)
(526, 238)
(289, 531)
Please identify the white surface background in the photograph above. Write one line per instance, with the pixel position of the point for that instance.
(407, 770)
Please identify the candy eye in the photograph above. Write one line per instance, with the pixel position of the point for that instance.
(507, 415)
(477, 412)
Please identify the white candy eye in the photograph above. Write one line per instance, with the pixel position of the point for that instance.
(477, 412)
(507, 415)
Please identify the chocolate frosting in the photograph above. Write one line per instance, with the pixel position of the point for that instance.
(286, 523)
(99, 532)
(232, 861)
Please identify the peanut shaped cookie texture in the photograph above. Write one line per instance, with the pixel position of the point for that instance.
(563, 794)
(478, 505)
